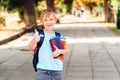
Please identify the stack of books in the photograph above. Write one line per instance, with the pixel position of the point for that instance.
(59, 43)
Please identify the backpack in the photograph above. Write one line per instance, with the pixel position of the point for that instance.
(36, 49)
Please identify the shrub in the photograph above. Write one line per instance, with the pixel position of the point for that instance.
(2, 20)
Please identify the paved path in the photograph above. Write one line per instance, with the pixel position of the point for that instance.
(94, 53)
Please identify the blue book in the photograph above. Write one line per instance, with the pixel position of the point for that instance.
(57, 42)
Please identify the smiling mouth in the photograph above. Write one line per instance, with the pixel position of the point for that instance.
(49, 25)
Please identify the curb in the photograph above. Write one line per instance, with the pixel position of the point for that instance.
(12, 37)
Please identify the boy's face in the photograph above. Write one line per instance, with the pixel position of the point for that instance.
(48, 22)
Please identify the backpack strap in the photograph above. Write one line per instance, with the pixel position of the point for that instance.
(41, 33)
(39, 44)
(57, 34)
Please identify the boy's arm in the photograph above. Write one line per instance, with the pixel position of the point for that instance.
(34, 41)
(32, 44)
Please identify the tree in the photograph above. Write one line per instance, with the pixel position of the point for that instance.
(29, 13)
(109, 16)
(69, 4)
(25, 7)
(50, 4)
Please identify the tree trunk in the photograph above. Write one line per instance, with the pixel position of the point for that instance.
(29, 14)
(105, 9)
(109, 16)
(50, 4)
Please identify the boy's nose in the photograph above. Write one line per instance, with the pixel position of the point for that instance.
(48, 22)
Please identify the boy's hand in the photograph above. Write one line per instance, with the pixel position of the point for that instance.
(37, 37)
(57, 52)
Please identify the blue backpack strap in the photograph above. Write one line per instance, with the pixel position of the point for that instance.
(57, 34)
(39, 44)
(41, 33)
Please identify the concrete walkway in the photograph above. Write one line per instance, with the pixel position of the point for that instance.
(94, 52)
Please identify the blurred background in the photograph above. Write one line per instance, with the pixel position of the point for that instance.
(90, 27)
(25, 13)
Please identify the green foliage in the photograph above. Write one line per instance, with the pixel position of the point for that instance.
(12, 6)
(64, 9)
(2, 20)
(118, 13)
(68, 4)
(4, 4)
(41, 5)
(91, 4)
(20, 12)
(114, 4)
(62, 6)
(118, 17)
(15, 5)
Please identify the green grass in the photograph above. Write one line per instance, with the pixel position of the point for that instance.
(113, 27)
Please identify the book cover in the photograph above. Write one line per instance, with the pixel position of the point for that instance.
(57, 42)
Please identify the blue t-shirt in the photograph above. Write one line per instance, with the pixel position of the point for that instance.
(46, 60)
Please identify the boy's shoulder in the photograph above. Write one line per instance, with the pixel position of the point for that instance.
(58, 34)
(41, 31)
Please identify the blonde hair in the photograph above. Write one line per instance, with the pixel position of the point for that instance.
(46, 13)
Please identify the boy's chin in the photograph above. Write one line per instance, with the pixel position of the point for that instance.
(49, 27)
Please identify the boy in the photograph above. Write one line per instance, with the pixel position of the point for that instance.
(48, 68)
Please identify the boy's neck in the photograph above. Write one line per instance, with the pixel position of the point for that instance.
(49, 31)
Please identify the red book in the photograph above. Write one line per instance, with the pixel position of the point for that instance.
(57, 42)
